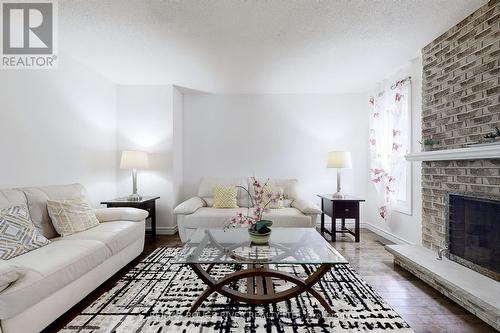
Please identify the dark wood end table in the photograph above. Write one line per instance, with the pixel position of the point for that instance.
(146, 203)
(340, 208)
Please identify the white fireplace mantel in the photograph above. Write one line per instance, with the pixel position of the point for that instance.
(469, 153)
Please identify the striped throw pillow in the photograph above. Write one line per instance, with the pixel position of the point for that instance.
(71, 216)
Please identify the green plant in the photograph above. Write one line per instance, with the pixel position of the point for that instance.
(262, 226)
(429, 142)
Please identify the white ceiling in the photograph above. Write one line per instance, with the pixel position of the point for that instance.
(253, 46)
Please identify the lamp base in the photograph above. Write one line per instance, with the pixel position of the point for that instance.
(338, 195)
(134, 197)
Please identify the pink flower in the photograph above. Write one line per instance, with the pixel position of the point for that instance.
(398, 97)
(383, 210)
(396, 146)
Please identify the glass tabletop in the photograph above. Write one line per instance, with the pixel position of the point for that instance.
(286, 246)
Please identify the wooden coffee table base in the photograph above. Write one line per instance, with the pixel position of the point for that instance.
(260, 288)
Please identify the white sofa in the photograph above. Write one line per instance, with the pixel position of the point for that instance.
(198, 212)
(57, 276)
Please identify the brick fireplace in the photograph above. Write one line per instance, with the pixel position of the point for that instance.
(460, 105)
(473, 232)
(439, 178)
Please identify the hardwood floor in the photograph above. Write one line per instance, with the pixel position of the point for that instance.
(426, 310)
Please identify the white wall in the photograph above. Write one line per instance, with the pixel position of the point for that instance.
(402, 227)
(145, 122)
(58, 127)
(178, 166)
(275, 136)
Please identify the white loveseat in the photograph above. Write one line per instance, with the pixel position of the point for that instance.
(55, 277)
(198, 212)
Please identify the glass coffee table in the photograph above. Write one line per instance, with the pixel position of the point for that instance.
(297, 246)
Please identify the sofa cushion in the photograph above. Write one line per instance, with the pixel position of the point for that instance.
(288, 217)
(209, 217)
(290, 187)
(9, 273)
(37, 203)
(12, 197)
(206, 190)
(49, 269)
(275, 196)
(116, 235)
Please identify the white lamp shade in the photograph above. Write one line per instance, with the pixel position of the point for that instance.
(132, 159)
(339, 159)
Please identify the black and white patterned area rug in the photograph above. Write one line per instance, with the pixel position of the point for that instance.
(155, 296)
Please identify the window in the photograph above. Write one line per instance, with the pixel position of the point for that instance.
(404, 195)
(390, 141)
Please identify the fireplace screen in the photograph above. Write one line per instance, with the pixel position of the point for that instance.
(474, 233)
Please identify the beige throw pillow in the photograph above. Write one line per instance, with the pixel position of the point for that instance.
(71, 216)
(18, 234)
(277, 193)
(225, 196)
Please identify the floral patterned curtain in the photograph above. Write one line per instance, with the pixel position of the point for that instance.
(389, 112)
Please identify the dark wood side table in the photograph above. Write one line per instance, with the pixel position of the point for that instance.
(146, 203)
(337, 208)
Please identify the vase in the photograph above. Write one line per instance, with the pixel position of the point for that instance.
(258, 238)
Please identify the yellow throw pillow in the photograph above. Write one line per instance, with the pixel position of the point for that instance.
(225, 196)
(71, 216)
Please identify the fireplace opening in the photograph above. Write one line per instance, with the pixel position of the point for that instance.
(474, 233)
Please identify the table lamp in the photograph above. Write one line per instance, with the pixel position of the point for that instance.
(132, 159)
(339, 160)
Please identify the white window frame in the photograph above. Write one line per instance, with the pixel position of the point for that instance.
(406, 207)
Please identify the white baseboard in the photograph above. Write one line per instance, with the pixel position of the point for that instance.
(379, 231)
(348, 223)
(165, 230)
(386, 234)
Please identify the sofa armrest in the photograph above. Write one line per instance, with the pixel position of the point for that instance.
(306, 207)
(9, 273)
(189, 206)
(120, 214)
